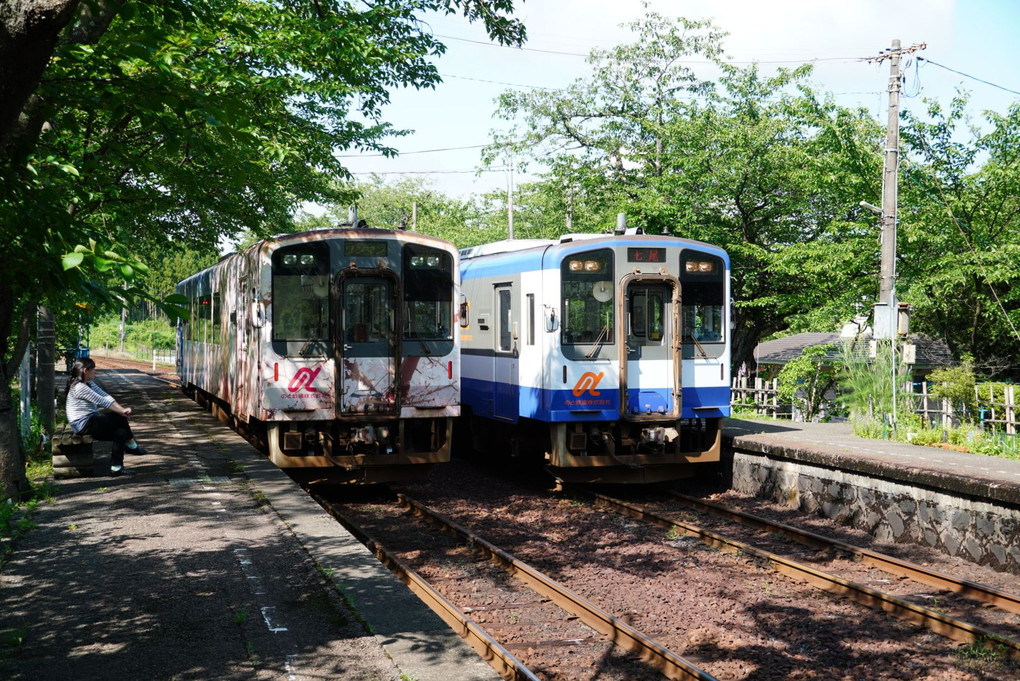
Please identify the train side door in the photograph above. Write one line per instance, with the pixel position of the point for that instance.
(367, 345)
(651, 353)
(506, 388)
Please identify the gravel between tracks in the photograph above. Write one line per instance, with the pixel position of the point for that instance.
(733, 617)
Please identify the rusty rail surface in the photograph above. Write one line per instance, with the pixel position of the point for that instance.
(498, 657)
(895, 566)
(671, 665)
(943, 625)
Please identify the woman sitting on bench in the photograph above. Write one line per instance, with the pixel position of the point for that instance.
(91, 411)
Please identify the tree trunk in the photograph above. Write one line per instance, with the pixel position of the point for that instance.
(13, 481)
(29, 30)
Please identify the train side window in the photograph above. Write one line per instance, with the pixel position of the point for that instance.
(504, 319)
(301, 293)
(217, 311)
(205, 318)
(531, 319)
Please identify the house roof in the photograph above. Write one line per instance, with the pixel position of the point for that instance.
(930, 352)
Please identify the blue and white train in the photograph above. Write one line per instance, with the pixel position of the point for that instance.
(609, 354)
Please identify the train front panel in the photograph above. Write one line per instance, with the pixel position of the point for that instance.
(346, 357)
(615, 353)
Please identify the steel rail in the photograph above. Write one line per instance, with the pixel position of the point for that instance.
(490, 650)
(622, 634)
(943, 625)
(895, 566)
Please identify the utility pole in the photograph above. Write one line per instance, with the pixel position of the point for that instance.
(887, 309)
(510, 198)
(890, 187)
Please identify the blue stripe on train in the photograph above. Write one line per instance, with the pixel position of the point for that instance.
(563, 405)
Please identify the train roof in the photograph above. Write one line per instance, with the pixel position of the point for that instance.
(514, 245)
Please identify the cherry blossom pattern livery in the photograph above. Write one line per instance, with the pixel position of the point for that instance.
(334, 349)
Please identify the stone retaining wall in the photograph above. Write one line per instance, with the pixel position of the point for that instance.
(974, 529)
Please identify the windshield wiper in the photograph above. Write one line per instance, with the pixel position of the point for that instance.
(697, 344)
(603, 334)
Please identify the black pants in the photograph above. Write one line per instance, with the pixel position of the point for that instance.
(109, 427)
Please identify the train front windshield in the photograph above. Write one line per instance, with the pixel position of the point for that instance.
(587, 293)
(301, 293)
(428, 294)
(702, 280)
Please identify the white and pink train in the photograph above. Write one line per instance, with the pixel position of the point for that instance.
(336, 348)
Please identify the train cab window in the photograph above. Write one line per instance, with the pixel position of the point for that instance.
(367, 311)
(647, 315)
(703, 291)
(588, 295)
(301, 293)
(428, 293)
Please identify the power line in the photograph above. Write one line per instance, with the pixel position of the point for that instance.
(703, 62)
(429, 172)
(967, 75)
(498, 82)
(420, 151)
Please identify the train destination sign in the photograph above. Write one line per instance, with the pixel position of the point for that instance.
(374, 249)
(646, 255)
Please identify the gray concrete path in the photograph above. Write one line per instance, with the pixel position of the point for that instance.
(206, 563)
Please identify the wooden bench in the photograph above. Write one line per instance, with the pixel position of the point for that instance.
(72, 454)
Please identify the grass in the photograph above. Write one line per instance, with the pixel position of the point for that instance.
(11, 641)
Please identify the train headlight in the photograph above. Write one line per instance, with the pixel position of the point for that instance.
(307, 259)
(592, 266)
(575, 265)
(699, 266)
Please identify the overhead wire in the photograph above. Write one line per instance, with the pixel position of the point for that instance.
(967, 75)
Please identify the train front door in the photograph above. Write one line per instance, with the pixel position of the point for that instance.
(652, 357)
(367, 357)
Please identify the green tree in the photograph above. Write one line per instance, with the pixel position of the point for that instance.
(959, 265)
(163, 125)
(806, 381)
(760, 165)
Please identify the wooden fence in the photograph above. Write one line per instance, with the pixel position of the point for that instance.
(1000, 414)
(758, 395)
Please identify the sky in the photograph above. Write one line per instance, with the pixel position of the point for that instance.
(966, 42)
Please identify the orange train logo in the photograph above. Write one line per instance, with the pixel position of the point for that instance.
(589, 381)
(303, 379)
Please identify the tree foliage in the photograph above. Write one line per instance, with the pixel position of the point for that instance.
(960, 237)
(760, 165)
(167, 126)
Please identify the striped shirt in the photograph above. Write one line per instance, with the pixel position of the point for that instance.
(84, 400)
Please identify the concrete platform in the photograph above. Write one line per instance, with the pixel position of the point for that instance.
(964, 504)
(206, 563)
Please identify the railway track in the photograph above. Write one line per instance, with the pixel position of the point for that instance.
(936, 620)
(552, 607)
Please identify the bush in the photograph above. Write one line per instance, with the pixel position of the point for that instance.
(956, 384)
